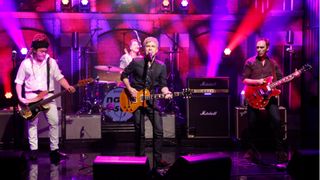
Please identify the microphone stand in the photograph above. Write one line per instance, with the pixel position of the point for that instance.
(83, 156)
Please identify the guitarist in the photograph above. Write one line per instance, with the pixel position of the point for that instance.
(255, 70)
(37, 72)
(147, 73)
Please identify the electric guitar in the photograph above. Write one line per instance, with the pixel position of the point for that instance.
(259, 96)
(130, 104)
(38, 104)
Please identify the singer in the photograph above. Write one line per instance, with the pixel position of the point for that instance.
(148, 73)
(38, 73)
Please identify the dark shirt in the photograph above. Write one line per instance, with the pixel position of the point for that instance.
(253, 69)
(155, 78)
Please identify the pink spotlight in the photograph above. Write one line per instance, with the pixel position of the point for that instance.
(184, 3)
(227, 51)
(24, 51)
(84, 2)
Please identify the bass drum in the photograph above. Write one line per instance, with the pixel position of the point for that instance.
(111, 106)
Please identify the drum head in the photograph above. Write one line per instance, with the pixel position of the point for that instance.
(111, 106)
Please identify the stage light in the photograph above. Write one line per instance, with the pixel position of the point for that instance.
(227, 51)
(66, 6)
(184, 3)
(8, 95)
(184, 6)
(165, 3)
(84, 6)
(166, 6)
(23, 51)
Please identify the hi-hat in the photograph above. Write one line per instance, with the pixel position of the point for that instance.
(108, 68)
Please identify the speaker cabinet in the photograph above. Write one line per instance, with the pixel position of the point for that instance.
(208, 116)
(242, 122)
(168, 124)
(13, 164)
(6, 126)
(83, 127)
(203, 166)
(304, 163)
(120, 167)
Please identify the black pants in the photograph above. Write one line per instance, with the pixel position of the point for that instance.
(156, 121)
(275, 122)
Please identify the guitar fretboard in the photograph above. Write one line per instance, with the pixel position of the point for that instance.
(160, 96)
(289, 77)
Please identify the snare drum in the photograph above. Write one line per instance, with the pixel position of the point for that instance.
(111, 106)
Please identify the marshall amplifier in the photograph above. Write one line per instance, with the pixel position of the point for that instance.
(208, 116)
(209, 85)
(242, 121)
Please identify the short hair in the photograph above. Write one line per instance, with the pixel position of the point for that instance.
(133, 40)
(151, 39)
(266, 40)
(40, 41)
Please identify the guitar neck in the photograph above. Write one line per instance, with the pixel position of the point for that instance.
(45, 101)
(161, 96)
(285, 79)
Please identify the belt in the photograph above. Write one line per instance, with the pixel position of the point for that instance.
(38, 91)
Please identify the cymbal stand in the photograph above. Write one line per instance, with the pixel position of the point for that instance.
(88, 105)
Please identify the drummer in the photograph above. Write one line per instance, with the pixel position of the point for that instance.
(133, 53)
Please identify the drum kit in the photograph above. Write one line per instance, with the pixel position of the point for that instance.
(103, 95)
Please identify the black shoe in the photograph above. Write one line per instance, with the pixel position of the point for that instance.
(282, 157)
(163, 164)
(33, 155)
(253, 156)
(56, 156)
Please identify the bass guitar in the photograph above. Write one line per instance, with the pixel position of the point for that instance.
(32, 110)
(258, 96)
(130, 104)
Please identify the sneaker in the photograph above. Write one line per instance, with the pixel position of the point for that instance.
(33, 155)
(56, 156)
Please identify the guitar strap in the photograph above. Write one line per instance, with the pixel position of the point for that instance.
(48, 73)
(273, 70)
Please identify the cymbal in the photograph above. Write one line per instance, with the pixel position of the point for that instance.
(108, 68)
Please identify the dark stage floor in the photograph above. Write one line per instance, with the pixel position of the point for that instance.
(82, 154)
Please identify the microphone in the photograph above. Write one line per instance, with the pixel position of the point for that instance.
(290, 50)
(14, 55)
(138, 38)
(149, 56)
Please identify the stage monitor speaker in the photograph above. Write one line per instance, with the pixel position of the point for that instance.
(208, 116)
(242, 122)
(6, 127)
(83, 127)
(13, 164)
(202, 166)
(120, 167)
(304, 164)
(168, 124)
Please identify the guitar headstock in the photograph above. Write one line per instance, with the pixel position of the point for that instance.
(84, 82)
(306, 67)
